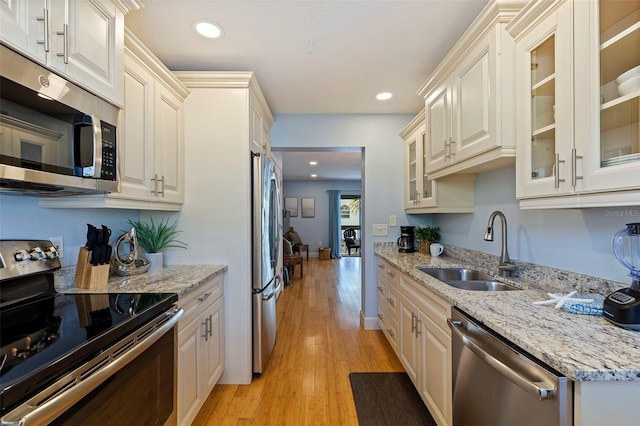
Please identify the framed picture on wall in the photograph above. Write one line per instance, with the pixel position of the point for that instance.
(308, 207)
(291, 204)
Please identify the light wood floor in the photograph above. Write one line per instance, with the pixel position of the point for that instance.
(319, 342)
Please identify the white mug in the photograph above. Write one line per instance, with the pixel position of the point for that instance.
(436, 249)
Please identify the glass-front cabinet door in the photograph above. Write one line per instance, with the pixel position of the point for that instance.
(427, 198)
(543, 66)
(411, 190)
(608, 121)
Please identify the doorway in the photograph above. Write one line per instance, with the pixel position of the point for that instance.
(350, 224)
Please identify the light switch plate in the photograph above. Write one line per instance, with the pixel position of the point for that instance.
(380, 230)
(392, 220)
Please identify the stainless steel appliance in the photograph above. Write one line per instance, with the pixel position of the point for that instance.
(407, 242)
(622, 307)
(81, 358)
(57, 138)
(495, 383)
(266, 236)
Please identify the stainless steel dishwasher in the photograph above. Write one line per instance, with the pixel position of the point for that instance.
(496, 383)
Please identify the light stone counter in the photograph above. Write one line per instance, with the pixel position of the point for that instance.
(582, 347)
(180, 279)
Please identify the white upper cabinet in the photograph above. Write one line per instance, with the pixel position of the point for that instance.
(80, 39)
(451, 194)
(469, 99)
(578, 124)
(150, 139)
(261, 121)
(543, 113)
(607, 96)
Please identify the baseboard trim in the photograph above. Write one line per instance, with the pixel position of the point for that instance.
(370, 323)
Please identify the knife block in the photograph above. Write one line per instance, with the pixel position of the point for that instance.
(88, 275)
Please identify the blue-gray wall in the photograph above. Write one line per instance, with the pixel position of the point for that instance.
(21, 218)
(577, 240)
(382, 177)
(315, 230)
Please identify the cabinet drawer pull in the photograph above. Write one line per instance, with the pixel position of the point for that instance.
(65, 43)
(418, 331)
(204, 297)
(413, 323)
(381, 317)
(45, 19)
(161, 180)
(557, 174)
(574, 167)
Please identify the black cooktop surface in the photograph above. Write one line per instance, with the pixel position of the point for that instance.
(48, 336)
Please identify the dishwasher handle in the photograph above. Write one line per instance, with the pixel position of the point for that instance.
(539, 389)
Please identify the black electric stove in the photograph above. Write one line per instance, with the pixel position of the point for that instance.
(44, 334)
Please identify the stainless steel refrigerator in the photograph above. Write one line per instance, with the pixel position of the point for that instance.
(266, 235)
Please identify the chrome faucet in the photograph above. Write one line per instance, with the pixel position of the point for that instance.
(505, 267)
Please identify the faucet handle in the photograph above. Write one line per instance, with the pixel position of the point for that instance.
(507, 269)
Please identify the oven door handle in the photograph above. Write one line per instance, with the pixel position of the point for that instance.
(44, 407)
(540, 389)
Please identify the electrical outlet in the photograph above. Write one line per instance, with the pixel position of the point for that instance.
(58, 243)
(393, 220)
(380, 230)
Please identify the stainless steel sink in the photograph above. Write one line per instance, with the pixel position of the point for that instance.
(466, 279)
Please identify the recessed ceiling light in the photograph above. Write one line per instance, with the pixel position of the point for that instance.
(208, 29)
(314, 176)
(313, 163)
(383, 96)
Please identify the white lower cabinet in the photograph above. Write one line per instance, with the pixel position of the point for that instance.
(425, 346)
(200, 347)
(387, 303)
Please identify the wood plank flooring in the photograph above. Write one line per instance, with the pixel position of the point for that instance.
(319, 342)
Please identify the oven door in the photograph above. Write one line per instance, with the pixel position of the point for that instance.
(130, 383)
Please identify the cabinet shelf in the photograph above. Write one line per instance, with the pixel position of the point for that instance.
(543, 130)
(620, 53)
(620, 100)
(545, 87)
(620, 113)
(620, 29)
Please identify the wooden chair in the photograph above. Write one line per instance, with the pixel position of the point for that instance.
(298, 245)
(291, 262)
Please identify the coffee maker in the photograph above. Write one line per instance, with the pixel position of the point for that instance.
(622, 307)
(406, 242)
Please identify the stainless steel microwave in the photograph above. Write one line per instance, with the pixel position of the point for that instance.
(55, 137)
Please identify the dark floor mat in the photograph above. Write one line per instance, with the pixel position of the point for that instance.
(388, 399)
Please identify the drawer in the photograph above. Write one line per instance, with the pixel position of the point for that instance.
(391, 331)
(392, 303)
(199, 299)
(393, 276)
(436, 308)
(381, 311)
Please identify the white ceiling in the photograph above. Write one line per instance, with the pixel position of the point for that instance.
(313, 57)
(331, 165)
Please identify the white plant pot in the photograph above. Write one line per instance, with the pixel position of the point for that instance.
(156, 261)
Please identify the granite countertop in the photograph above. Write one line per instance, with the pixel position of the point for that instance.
(582, 347)
(180, 279)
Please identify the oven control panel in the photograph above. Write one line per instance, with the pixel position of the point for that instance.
(25, 257)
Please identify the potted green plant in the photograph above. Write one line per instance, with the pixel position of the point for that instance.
(155, 237)
(425, 236)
